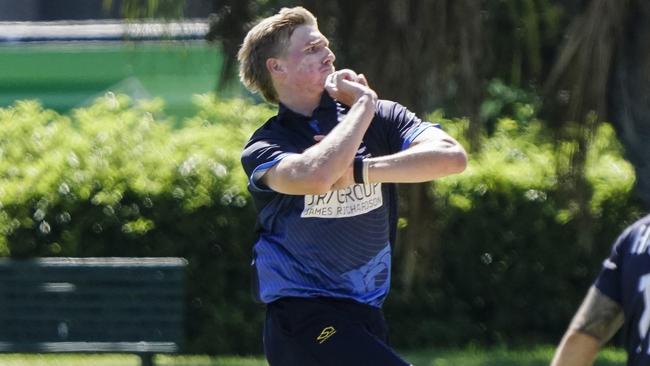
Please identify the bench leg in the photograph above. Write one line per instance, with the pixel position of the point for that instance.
(146, 359)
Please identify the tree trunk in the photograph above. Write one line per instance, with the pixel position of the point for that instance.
(419, 244)
(576, 93)
(629, 99)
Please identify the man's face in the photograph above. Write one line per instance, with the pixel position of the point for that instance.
(308, 59)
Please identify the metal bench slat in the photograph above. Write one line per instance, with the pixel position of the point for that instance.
(131, 305)
(126, 347)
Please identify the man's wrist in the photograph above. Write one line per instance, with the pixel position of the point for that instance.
(368, 96)
(366, 169)
(357, 170)
(360, 170)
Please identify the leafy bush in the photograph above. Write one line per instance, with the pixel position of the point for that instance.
(511, 268)
(111, 180)
(114, 180)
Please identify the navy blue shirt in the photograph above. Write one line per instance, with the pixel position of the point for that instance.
(625, 278)
(336, 244)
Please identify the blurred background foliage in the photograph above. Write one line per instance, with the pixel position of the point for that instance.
(113, 179)
(501, 254)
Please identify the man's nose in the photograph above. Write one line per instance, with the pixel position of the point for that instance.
(331, 57)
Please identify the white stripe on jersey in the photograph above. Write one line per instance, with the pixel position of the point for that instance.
(642, 241)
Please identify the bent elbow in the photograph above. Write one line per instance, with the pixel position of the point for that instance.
(454, 161)
(318, 188)
(458, 161)
(317, 184)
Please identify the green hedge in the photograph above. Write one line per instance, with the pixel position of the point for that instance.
(114, 179)
(510, 269)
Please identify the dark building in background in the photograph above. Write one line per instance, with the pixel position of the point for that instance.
(67, 53)
(51, 10)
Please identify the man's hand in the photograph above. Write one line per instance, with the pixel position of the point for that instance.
(347, 87)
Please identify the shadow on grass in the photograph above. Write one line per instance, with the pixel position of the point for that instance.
(539, 356)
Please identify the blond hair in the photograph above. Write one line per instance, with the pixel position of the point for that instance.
(269, 38)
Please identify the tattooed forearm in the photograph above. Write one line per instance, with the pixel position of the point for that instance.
(598, 316)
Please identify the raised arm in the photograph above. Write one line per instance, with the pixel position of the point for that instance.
(595, 322)
(433, 154)
(317, 169)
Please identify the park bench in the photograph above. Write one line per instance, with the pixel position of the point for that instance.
(92, 305)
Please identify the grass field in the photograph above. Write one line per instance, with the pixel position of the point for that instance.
(465, 357)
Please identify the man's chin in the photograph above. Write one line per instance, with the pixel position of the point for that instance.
(325, 75)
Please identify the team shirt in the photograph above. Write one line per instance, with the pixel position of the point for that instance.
(336, 244)
(625, 278)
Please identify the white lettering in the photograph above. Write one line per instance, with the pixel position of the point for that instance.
(351, 201)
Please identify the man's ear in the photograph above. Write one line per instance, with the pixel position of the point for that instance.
(274, 66)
